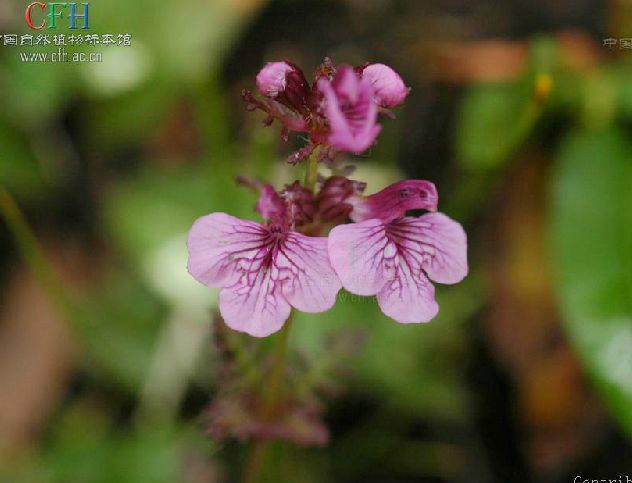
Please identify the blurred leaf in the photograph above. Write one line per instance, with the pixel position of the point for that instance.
(82, 448)
(121, 322)
(591, 228)
(496, 118)
(19, 169)
(490, 123)
(130, 116)
(401, 364)
(622, 73)
(84, 452)
(36, 91)
(157, 205)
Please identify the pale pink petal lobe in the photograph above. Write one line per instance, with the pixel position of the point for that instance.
(218, 243)
(356, 254)
(408, 296)
(254, 305)
(434, 242)
(270, 205)
(312, 284)
(390, 90)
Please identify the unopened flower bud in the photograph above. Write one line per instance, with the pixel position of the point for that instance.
(285, 83)
(271, 80)
(270, 205)
(300, 203)
(335, 197)
(389, 88)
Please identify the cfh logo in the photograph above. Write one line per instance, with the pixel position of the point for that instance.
(56, 11)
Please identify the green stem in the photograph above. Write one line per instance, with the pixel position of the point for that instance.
(252, 471)
(311, 172)
(34, 255)
(277, 373)
(270, 402)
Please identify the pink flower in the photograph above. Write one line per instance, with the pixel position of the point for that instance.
(263, 271)
(394, 256)
(351, 111)
(388, 87)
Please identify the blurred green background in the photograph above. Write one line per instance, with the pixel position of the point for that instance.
(519, 114)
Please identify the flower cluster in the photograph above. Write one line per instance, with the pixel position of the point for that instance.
(311, 244)
(339, 111)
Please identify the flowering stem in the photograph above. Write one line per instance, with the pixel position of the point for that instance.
(311, 172)
(277, 373)
(253, 465)
(270, 402)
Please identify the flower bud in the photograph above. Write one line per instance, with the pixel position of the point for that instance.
(285, 83)
(270, 205)
(389, 88)
(334, 198)
(300, 203)
(271, 80)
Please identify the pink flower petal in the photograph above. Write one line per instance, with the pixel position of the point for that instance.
(437, 243)
(270, 205)
(355, 252)
(390, 90)
(314, 284)
(216, 242)
(254, 305)
(407, 297)
(271, 79)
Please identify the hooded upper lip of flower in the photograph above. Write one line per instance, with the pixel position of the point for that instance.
(395, 200)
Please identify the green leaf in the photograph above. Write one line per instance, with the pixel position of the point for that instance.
(19, 170)
(490, 123)
(120, 324)
(591, 229)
